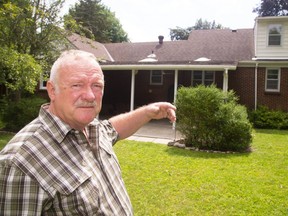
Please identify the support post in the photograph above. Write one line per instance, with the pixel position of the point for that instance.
(133, 73)
(225, 80)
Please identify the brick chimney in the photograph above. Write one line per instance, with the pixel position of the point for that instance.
(161, 38)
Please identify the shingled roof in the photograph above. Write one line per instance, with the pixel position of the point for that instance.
(223, 46)
(86, 44)
(220, 46)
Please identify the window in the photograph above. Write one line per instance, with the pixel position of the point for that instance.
(43, 81)
(156, 77)
(202, 77)
(272, 83)
(274, 38)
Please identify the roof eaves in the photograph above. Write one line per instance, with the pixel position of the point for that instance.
(179, 66)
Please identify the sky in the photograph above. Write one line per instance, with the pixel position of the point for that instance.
(145, 20)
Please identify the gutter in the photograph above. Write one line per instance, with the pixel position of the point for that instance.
(167, 67)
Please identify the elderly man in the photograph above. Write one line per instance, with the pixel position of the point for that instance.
(63, 163)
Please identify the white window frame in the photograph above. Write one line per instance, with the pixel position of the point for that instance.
(203, 80)
(271, 79)
(42, 83)
(156, 74)
(276, 34)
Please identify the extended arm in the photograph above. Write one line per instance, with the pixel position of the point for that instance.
(128, 123)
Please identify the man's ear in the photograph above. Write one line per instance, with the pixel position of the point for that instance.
(51, 90)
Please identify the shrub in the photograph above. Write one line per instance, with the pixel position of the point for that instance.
(211, 119)
(265, 118)
(17, 114)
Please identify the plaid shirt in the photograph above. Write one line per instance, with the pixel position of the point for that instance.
(48, 168)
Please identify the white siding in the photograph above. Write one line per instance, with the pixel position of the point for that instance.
(262, 50)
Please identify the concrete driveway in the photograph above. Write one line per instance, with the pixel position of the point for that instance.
(158, 131)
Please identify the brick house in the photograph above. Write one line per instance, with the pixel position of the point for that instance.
(252, 62)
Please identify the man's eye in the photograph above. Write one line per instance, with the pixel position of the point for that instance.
(98, 85)
(76, 85)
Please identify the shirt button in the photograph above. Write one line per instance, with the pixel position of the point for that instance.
(84, 164)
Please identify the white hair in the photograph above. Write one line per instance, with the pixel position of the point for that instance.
(67, 57)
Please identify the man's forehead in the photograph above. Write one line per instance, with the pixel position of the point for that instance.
(87, 74)
(82, 68)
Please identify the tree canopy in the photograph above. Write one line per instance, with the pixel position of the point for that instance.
(94, 20)
(272, 8)
(29, 37)
(182, 34)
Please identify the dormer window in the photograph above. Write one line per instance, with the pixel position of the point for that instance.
(274, 37)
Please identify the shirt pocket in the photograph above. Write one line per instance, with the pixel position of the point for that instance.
(83, 200)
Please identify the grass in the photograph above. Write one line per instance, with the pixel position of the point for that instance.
(162, 180)
(4, 138)
(167, 181)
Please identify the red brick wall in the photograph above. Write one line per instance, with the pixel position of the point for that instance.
(277, 101)
(146, 93)
(242, 82)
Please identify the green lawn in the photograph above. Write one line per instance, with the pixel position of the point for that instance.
(4, 138)
(166, 181)
(162, 180)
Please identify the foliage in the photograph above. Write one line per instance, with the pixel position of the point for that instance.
(18, 71)
(31, 27)
(211, 119)
(17, 115)
(180, 33)
(265, 118)
(4, 138)
(204, 25)
(95, 21)
(183, 34)
(3, 104)
(30, 32)
(272, 8)
(165, 180)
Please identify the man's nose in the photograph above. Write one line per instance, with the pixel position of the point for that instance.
(89, 94)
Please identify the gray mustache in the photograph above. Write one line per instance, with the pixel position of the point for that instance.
(86, 104)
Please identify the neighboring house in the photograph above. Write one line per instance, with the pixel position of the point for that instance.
(252, 62)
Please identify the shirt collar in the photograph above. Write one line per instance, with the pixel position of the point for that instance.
(54, 124)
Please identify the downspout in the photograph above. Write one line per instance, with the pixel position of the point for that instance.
(256, 85)
(133, 73)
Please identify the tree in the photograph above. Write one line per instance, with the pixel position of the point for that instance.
(180, 33)
(18, 71)
(183, 34)
(272, 8)
(93, 20)
(204, 24)
(29, 37)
